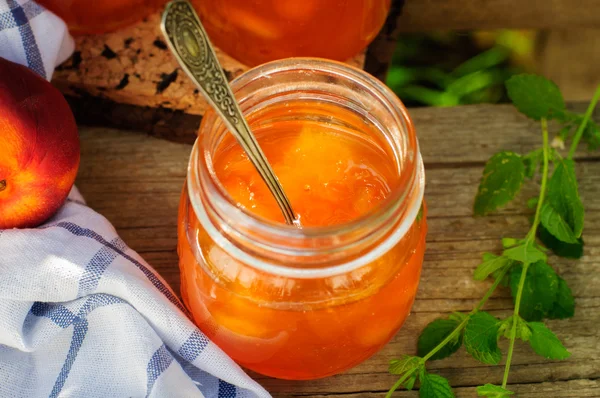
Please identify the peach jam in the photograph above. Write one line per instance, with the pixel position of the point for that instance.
(305, 303)
(258, 31)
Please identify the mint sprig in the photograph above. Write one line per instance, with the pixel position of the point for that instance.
(557, 225)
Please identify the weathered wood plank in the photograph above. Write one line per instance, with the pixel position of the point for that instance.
(578, 79)
(560, 389)
(363, 383)
(425, 15)
(136, 180)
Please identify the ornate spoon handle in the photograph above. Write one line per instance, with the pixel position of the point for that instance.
(190, 45)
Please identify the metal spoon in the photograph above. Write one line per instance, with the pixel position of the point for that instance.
(190, 45)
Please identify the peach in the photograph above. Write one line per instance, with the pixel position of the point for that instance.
(39, 148)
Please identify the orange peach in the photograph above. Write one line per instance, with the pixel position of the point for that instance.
(39, 148)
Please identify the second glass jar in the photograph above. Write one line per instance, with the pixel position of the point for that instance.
(258, 31)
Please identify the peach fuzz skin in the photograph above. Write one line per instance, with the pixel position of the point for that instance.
(39, 148)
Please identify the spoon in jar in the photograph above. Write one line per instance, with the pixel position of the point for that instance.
(189, 43)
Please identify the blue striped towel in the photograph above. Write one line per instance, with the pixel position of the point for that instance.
(81, 314)
(32, 36)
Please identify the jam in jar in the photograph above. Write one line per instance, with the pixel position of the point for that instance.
(309, 302)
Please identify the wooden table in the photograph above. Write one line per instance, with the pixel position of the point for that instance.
(135, 181)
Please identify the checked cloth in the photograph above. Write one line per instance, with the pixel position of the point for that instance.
(81, 314)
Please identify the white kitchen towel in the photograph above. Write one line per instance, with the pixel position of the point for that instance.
(32, 36)
(81, 314)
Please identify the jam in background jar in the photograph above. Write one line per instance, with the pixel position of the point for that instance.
(101, 16)
(258, 31)
(312, 302)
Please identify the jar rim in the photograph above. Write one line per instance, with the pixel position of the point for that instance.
(377, 215)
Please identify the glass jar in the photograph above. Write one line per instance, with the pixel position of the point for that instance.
(303, 303)
(101, 16)
(258, 31)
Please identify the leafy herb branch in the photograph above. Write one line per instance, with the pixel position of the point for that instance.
(557, 226)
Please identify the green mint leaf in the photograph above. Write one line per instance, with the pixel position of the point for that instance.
(553, 155)
(532, 203)
(505, 279)
(501, 181)
(559, 248)
(405, 364)
(490, 266)
(554, 222)
(564, 307)
(434, 334)
(496, 274)
(509, 242)
(481, 338)
(504, 328)
(563, 196)
(591, 135)
(493, 391)
(410, 382)
(525, 252)
(535, 96)
(565, 132)
(540, 290)
(545, 343)
(488, 256)
(435, 386)
(532, 162)
(523, 331)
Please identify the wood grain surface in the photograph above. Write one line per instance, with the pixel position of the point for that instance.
(135, 181)
(424, 15)
(579, 78)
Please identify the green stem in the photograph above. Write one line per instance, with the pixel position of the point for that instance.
(448, 338)
(452, 335)
(491, 290)
(513, 331)
(538, 210)
(399, 383)
(461, 325)
(530, 237)
(586, 118)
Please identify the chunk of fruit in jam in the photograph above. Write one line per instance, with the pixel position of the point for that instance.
(330, 177)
